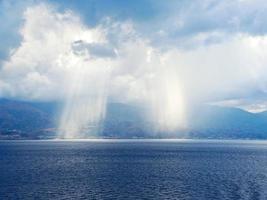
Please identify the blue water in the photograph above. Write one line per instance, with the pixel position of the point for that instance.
(133, 169)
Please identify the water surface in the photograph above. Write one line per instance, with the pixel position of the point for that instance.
(133, 169)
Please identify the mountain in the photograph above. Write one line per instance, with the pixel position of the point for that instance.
(222, 122)
(25, 119)
(30, 120)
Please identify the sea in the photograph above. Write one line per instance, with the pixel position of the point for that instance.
(133, 169)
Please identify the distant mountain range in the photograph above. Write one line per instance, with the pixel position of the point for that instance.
(27, 120)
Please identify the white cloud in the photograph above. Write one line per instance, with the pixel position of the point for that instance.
(46, 41)
(250, 105)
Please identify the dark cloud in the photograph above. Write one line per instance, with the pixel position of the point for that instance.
(176, 22)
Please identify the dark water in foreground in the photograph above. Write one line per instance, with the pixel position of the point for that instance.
(143, 169)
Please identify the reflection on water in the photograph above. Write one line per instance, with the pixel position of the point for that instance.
(127, 169)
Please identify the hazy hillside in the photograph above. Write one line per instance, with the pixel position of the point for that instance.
(221, 122)
(26, 119)
(38, 120)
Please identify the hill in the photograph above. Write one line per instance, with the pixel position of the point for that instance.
(28, 120)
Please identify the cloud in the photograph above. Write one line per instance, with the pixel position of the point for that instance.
(47, 38)
(165, 24)
(177, 22)
(61, 58)
(253, 105)
(93, 49)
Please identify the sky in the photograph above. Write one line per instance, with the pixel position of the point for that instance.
(166, 55)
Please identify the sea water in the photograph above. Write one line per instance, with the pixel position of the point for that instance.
(133, 169)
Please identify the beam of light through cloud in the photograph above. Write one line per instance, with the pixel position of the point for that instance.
(166, 102)
(165, 99)
(84, 107)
